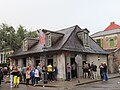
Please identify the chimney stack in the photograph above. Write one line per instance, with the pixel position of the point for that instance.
(112, 22)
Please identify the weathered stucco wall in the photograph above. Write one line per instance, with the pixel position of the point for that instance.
(61, 66)
(94, 58)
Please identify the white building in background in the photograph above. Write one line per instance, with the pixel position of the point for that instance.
(4, 54)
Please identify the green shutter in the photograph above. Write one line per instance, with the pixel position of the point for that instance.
(111, 42)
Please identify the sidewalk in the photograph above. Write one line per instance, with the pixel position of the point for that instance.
(74, 82)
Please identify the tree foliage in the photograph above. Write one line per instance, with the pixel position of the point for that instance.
(11, 38)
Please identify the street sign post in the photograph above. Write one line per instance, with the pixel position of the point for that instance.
(77, 60)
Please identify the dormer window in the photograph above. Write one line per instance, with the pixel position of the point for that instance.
(86, 39)
(48, 40)
(51, 37)
(83, 35)
(25, 45)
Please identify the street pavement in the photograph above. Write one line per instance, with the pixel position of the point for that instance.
(74, 82)
(24, 87)
(111, 84)
(59, 85)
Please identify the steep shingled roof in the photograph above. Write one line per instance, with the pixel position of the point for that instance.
(69, 42)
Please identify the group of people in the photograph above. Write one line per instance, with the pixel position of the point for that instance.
(37, 73)
(103, 71)
(3, 74)
(30, 73)
(91, 71)
(71, 71)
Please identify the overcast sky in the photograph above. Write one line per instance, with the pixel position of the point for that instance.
(95, 15)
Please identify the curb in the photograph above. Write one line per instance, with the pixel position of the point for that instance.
(43, 85)
(87, 82)
(94, 81)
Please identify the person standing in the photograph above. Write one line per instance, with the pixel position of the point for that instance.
(44, 75)
(89, 70)
(73, 70)
(27, 76)
(1, 75)
(20, 72)
(32, 75)
(101, 70)
(55, 72)
(11, 77)
(16, 78)
(5, 74)
(39, 67)
(94, 71)
(36, 76)
(68, 72)
(24, 73)
(105, 78)
(50, 72)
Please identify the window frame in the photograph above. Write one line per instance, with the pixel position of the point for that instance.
(48, 41)
(25, 45)
(112, 43)
(86, 37)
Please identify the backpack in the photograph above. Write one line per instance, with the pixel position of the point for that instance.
(94, 68)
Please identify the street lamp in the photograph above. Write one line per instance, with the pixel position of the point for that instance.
(45, 66)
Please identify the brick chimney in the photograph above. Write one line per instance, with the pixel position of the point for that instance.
(112, 22)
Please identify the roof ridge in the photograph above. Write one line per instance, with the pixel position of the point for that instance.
(96, 33)
(67, 28)
(69, 35)
(107, 32)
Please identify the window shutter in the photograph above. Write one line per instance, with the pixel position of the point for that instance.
(111, 42)
(48, 40)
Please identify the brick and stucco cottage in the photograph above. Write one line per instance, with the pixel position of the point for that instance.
(61, 47)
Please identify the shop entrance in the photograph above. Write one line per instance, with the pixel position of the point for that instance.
(73, 68)
(50, 61)
(24, 62)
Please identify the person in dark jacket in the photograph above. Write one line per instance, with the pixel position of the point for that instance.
(105, 78)
(5, 74)
(101, 70)
(16, 77)
(32, 75)
(55, 72)
(44, 70)
(1, 75)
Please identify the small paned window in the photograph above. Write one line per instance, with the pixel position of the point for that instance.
(111, 42)
(48, 40)
(25, 45)
(86, 39)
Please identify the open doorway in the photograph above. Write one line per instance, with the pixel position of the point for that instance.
(73, 68)
(50, 61)
(24, 62)
(36, 62)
